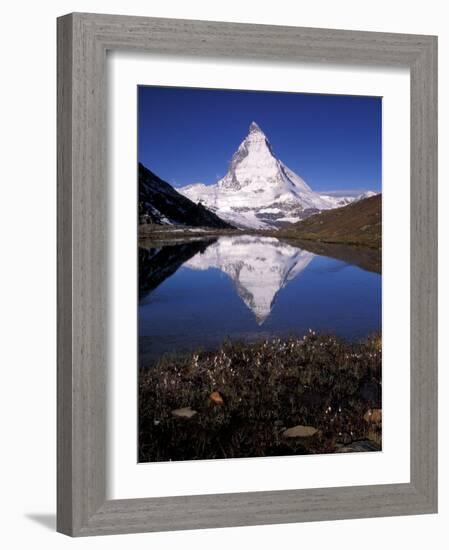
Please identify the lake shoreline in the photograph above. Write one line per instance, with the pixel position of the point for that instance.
(280, 396)
(151, 233)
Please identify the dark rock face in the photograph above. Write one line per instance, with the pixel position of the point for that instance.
(161, 204)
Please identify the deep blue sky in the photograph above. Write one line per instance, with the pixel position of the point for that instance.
(188, 135)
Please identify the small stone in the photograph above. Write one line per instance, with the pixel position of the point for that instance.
(373, 416)
(300, 431)
(184, 412)
(216, 398)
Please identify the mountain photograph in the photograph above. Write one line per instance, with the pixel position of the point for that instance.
(259, 267)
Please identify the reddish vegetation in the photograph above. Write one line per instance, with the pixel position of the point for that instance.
(358, 223)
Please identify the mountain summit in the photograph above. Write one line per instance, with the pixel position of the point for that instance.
(254, 127)
(259, 190)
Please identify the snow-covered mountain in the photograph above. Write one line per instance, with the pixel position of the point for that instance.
(258, 266)
(259, 190)
(365, 195)
(343, 200)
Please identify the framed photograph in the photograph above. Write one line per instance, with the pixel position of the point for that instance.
(247, 282)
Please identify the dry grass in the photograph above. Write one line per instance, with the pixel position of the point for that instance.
(358, 223)
(266, 387)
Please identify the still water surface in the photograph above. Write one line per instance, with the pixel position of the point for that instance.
(197, 294)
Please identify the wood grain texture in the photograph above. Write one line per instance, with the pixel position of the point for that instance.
(424, 252)
(64, 276)
(83, 40)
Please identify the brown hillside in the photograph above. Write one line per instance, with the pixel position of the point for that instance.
(359, 223)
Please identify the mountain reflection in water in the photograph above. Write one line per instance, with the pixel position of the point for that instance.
(258, 266)
(198, 293)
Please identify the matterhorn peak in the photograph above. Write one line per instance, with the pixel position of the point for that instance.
(256, 135)
(254, 127)
(258, 191)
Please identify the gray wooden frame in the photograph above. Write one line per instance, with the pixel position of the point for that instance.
(83, 40)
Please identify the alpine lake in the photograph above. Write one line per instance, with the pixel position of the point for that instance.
(250, 345)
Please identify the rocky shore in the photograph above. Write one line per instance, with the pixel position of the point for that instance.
(291, 396)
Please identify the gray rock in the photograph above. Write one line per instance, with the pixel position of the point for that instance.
(300, 431)
(184, 412)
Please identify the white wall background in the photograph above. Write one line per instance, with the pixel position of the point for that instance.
(27, 289)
